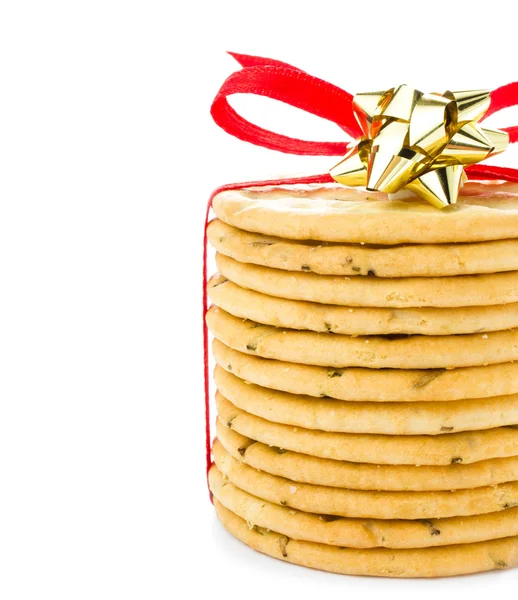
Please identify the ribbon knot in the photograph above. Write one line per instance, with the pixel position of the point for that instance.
(418, 141)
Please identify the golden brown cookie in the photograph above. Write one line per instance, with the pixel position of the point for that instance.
(364, 476)
(381, 562)
(371, 385)
(374, 352)
(328, 258)
(389, 418)
(361, 533)
(454, 448)
(312, 316)
(485, 211)
(405, 292)
(364, 503)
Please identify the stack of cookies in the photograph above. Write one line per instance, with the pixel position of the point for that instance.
(367, 384)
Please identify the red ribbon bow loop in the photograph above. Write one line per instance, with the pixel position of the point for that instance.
(280, 81)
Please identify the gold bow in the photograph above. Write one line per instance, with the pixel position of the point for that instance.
(418, 141)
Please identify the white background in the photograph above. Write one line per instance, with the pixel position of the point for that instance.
(108, 154)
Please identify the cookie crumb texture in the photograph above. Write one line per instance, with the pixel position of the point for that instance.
(366, 357)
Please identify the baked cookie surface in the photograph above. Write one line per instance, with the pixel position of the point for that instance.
(312, 316)
(370, 385)
(339, 214)
(444, 449)
(374, 352)
(388, 418)
(405, 292)
(364, 503)
(364, 476)
(361, 533)
(381, 562)
(328, 258)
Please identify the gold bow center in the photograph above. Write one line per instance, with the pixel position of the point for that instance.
(418, 141)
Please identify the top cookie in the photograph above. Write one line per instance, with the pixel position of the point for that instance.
(485, 211)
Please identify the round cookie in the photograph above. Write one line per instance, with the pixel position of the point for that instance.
(374, 352)
(341, 214)
(362, 476)
(302, 315)
(362, 503)
(370, 385)
(389, 418)
(328, 258)
(405, 292)
(361, 533)
(381, 562)
(454, 448)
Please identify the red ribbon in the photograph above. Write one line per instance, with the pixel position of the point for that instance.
(278, 80)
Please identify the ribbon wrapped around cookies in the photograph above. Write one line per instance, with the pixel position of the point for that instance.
(403, 138)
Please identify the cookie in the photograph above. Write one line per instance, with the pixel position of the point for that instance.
(371, 385)
(389, 418)
(363, 476)
(409, 292)
(381, 562)
(375, 352)
(368, 504)
(454, 448)
(341, 214)
(327, 258)
(302, 315)
(361, 533)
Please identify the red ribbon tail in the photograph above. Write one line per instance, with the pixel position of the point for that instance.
(491, 173)
(206, 380)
